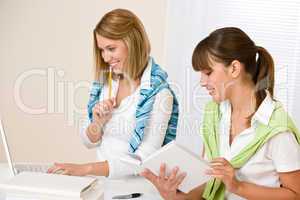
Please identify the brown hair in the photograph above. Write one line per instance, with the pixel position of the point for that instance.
(124, 25)
(228, 44)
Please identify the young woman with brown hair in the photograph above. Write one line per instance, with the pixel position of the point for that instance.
(251, 141)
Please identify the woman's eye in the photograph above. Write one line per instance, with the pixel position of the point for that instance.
(111, 49)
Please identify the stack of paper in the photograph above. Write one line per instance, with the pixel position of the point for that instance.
(175, 155)
(43, 186)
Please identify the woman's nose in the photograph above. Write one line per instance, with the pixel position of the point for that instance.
(203, 80)
(106, 56)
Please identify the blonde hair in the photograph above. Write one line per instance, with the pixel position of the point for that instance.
(121, 24)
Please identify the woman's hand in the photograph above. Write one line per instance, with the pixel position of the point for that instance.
(102, 111)
(167, 186)
(223, 170)
(70, 169)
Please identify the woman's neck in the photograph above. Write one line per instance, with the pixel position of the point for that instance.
(129, 83)
(243, 100)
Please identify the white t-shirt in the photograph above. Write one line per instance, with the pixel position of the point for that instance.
(280, 154)
(119, 129)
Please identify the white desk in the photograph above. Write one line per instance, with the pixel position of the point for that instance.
(111, 187)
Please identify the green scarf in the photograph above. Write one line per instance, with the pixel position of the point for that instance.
(279, 122)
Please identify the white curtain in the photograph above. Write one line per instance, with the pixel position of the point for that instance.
(272, 24)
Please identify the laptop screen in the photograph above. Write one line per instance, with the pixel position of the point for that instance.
(6, 149)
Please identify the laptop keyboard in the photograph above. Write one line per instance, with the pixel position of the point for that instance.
(32, 167)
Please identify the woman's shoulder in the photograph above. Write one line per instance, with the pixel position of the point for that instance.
(164, 95)
(284, 150)
(282, 142)
(283, 138)
(164, 92)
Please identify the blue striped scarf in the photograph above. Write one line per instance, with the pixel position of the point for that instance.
(158, 82)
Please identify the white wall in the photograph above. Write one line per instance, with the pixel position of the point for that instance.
(52, 41)
(184, 28)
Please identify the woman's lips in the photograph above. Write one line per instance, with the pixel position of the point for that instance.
(114, 64)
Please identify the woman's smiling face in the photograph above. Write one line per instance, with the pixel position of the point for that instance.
(113, 52)
(217, 81)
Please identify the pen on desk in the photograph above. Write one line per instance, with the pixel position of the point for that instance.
(110, 82)
(127, 196)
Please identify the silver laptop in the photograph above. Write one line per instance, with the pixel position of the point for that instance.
(19, 167)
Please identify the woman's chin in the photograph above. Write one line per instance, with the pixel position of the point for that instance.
(216, 99)
(118, 71)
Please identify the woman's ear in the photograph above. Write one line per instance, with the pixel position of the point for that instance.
(235, 68)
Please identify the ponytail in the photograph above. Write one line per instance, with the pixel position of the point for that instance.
(264, 79)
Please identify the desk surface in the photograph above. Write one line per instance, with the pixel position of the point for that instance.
(111, 187)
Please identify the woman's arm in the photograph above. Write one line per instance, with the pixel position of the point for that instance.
(195, 194)
(97, 169)
(155, 131)
(290, 189)
(284, 151)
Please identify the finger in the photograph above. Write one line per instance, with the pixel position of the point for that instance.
(173, 174)
(102, 110)
(220, 160)
(112, 101)
(162, 171)
(98, 107)
(102, 107)
(65, 172)
(217, 161)
(217, 172)
(54, 169)
(94, 128)
(219, 167)
(218, 164)
(59, 171)
(109, 103)
(149, 175)
(51, 169)
(179, 180)
(110, 106)
(97, 110)
(220, 177)
(227, 168)
(106, 109)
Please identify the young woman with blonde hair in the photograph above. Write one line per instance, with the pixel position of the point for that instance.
(131, 106)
